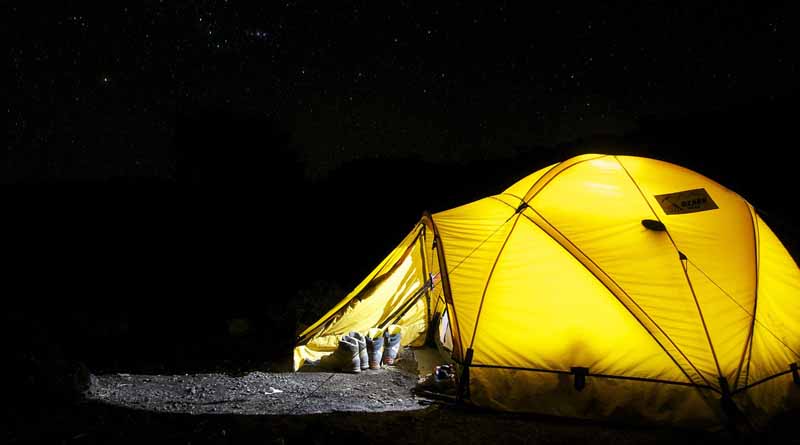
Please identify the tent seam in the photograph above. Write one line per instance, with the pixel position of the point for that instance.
(702, 318)
(685, 271)
(615, 295)
(757, 235)
(764, 380)
(609, 376)
(448, 292)
(475, 249)
(320, 326)
(555, 175)
(623, 304)
(488, 280)
(426, 275)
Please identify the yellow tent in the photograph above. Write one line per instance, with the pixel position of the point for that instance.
(599, 287)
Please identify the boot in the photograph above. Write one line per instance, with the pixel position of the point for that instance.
(374, 341)
(391, 344)
(345, 358)
(362, 349)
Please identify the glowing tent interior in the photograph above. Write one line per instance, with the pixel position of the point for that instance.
(599, 287)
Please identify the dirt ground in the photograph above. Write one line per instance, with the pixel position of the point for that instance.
(261, 393)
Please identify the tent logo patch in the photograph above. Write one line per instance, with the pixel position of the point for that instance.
(689, 201)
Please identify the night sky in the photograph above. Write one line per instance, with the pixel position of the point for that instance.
(98, 91)
(165, 151)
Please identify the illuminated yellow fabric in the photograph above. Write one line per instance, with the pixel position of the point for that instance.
(597, 207)
(472, 236)
(382, 268)
(720, 248)
(776, 340)
(645, 273)
(375, 302)
(609, 399)
(521, 187)
(575, 320)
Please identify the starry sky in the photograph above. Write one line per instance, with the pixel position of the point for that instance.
(99, 91)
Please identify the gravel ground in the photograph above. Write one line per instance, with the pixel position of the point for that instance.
(259, 393)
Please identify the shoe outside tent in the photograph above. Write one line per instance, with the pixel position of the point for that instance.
(608, 287)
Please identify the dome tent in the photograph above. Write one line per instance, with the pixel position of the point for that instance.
(599, 287)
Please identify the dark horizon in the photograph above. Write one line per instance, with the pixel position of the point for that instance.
(149, 275)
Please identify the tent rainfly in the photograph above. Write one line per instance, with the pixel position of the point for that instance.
(606, 287)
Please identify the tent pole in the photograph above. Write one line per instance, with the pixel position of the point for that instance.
(458, 348)
(426, 273)
(463, 382)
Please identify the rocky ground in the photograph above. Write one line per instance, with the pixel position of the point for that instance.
(260, 393)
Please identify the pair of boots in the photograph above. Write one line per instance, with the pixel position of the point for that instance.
(357, 352)
(347, 356)
(383, 346)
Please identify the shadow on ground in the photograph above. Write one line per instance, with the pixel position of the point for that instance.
(96, 422)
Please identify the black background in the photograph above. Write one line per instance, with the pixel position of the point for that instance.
(173, 168)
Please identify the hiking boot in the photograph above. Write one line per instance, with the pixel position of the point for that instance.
(362, 349)
(345, 358)
(391, 345)
(374, 341)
